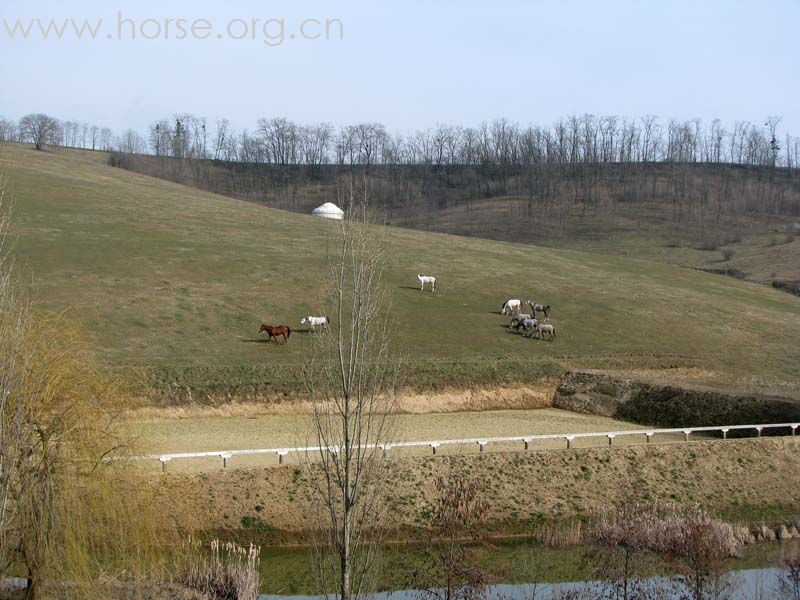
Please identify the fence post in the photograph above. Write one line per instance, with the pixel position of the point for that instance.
(794, 429)
(527, 441)
(649, 435)
(570, 439)
(225, 458)
(725, 431)
(482, 444)
(611, 437)
(281, 456)
(686, 433)
(758, 429)
(434, 446)
(164, 460)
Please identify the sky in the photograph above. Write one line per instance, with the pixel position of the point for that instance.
(408, 64)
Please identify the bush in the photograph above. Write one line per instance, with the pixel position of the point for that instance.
(695, 542)
(793, 287)
(727, 254)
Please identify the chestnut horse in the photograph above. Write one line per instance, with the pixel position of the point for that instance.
(273, 331)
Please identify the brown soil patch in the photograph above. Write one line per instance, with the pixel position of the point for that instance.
(408, 402)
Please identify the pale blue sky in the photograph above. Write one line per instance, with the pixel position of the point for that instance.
(410, 64)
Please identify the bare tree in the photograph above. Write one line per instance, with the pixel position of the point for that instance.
(131, 142)
(221, 137)
(94, 136)
(39, 129)
(351, 382)
(8, 130)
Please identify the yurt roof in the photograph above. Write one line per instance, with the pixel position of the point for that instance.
(328, 207)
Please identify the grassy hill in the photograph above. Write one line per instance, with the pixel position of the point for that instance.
(758, 248)
(743, 220)
(178, 280)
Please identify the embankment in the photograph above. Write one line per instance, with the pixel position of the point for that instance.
(750, 480)
(663, 405)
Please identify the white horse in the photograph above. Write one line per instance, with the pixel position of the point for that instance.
(314, 322)
(423, 279)
(511, 306)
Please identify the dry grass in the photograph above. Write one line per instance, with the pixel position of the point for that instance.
(751, 481)
(223, 571)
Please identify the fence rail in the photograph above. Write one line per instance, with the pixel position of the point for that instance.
(526, 440)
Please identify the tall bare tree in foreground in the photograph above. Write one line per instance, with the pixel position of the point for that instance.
(352, 380)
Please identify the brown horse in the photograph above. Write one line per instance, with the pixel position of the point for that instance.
(273, 331)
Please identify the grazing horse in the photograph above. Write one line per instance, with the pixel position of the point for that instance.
(517, 319)
(542, 308)
(423, 279)
(528, 326)
(549, 330)
(314, 322)
(511, 306)
(273, 331)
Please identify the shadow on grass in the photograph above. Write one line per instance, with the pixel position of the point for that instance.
(513, 332)
(253, 340)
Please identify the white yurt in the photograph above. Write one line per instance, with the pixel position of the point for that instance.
(329, 211)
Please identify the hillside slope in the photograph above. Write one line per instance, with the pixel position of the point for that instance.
(743, 219)
(176, 279)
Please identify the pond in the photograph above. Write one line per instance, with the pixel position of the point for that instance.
(519, 569)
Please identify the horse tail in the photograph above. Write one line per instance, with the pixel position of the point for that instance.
(288, 332)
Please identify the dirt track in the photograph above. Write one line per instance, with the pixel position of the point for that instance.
(280, 431)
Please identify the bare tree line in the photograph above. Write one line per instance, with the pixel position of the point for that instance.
(578, 166)
(43, 130)
(501, 142)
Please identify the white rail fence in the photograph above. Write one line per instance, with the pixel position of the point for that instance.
(482, 443)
